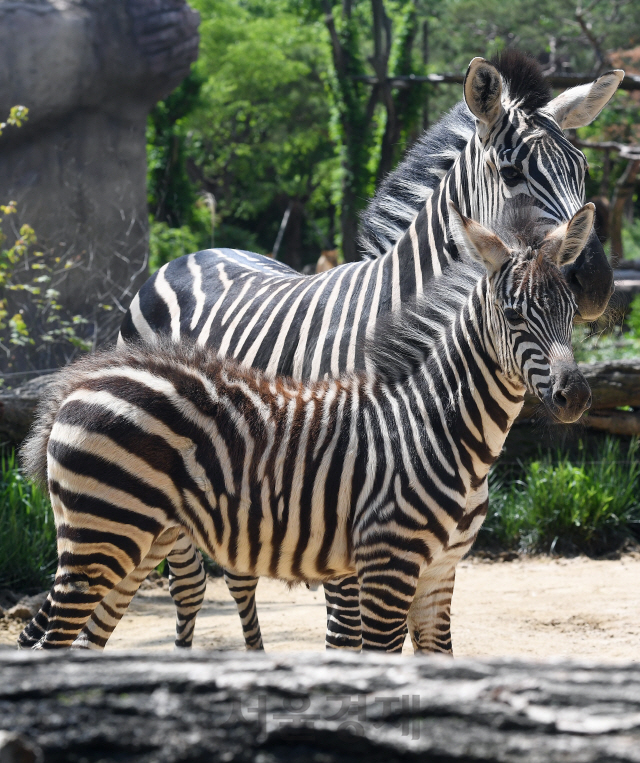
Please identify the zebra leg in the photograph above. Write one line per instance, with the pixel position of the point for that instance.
(36, 629)
(91, 563)
(78, 588)
(429, 618)
(243, 590)
(344, 626)
(187, 585)
(387, 588)
(110, 610)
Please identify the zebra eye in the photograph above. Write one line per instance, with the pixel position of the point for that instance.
(513, 316)
(511, 175)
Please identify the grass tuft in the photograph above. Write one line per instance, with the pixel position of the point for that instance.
(27, 531)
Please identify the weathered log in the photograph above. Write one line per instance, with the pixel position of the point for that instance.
(625, 423)
(18, 407)
(225, 706)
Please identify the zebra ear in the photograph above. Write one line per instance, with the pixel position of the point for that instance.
(481, 244)
(483, 91)
(579, 106)
(564, 244)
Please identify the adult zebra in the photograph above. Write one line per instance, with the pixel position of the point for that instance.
(504, 140)
(136, 444)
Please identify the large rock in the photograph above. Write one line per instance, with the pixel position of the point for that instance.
(89, 72)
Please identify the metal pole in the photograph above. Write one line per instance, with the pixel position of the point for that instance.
(425, 61)
(283, 227)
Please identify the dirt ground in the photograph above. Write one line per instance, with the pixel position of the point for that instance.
(531, 607)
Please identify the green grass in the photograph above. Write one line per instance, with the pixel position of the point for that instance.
(27, 531)
(587, 505)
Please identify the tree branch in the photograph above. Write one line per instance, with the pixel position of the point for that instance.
(629, 82)
(626, 152)
(336, 45)
(602, 58)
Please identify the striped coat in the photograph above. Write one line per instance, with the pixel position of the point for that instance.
(381, 474)
(265, 315)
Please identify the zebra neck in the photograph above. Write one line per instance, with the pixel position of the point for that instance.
(462, 384)
(427, 247)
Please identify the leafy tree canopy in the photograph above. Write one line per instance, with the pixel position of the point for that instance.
(276, 116)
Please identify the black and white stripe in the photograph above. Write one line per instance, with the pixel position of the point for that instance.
(380, 473)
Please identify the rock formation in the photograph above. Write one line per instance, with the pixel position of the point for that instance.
(89, 71)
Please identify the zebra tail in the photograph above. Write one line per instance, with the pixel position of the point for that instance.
(33, 452)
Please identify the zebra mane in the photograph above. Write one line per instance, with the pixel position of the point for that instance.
(406, 337)
(403, 192)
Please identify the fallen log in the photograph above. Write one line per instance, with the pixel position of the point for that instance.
(626, 423)
(18, 408)
(334, 708)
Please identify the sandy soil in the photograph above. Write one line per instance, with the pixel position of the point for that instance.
(534, 607)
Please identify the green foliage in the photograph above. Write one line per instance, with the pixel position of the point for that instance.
(261, 137)
(165, 243)
(633, 317)
(265, 120)
(631, 240)
(40, 320)
(588, 505)
(27, 531)
(593, 343)
(461, 29)
(604, 344)
(172, 195)
(17, 115)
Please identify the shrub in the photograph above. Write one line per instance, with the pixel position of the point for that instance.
(582, 506)
(166, 244)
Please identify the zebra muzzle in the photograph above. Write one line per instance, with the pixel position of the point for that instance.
(569, 394)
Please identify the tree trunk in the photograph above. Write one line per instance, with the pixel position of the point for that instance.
(335, 708)
(292, 254)
(349, 222)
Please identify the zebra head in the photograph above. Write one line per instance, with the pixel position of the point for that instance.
(519, 148)
(529, 308)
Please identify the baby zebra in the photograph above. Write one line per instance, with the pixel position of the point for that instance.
(383, 473)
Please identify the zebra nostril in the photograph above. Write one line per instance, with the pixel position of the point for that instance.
(589, 401)
(560, 399)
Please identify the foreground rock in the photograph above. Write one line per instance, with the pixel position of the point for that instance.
(226, 706)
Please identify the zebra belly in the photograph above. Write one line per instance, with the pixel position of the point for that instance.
(275, 539)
